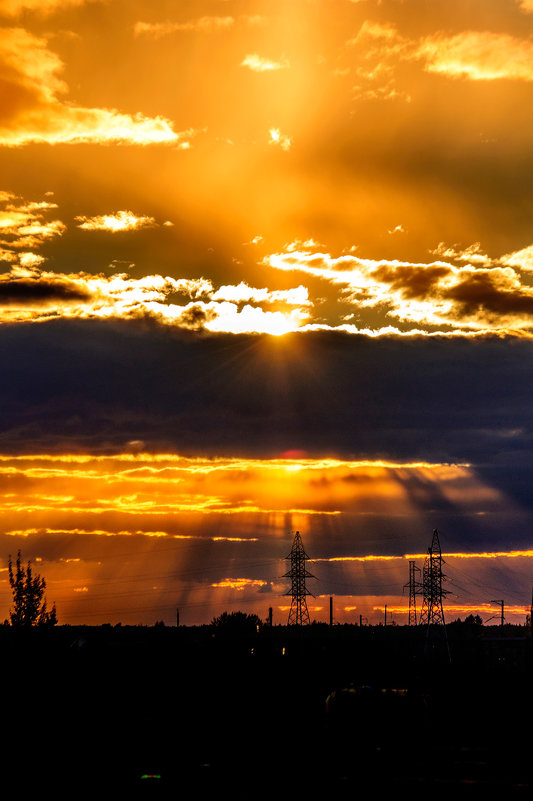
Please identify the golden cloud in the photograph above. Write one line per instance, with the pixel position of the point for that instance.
(261, 64)
(156, 484)
(119, 221)
(32, 111)
(12, 8)
(478, 55)
(239, 584)
(299, 296)
(26, 295)
(520, 259)
(202, 24)
(277, 138)
(439, 293)
(378, 48)
(471, 254)
(24, 225)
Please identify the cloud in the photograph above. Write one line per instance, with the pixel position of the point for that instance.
(206, 24)
(471, 255)
(379, 49)
(12, 8)
(298, 296)
(99, 295)
(277, 138)
(478, 55)
(119, 221)
(526, 5)
(416, 400)
(25, 291)
(32, 110)
(520, 259)
(24, 224)
(374, 54)
(27, 294)
(201, 24)
(261, 64)
(439, 293)
(239, 584)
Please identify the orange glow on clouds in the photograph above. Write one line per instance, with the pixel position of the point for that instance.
(120, 221)
(513, 554)
(260, 64)
(208, 532)
(239, 584)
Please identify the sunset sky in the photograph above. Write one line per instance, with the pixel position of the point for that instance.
(266, 266)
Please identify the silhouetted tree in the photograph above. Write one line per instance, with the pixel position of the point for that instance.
(237, 622)
(474, 620)
(29, 603)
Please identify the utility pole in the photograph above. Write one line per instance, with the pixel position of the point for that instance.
(270, 616)
(177, 617)
(298, 613)
(502, 615)
(415, 588)
(432, 578)
(331, 610)
(385, 614)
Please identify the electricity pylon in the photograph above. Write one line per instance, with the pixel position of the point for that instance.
(298, 614)
(432, 579)
(415, 588)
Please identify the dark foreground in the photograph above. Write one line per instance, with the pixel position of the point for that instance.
(316, 713)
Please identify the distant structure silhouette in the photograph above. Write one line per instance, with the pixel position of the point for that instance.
(432, 613)
(432, 579)
(415, 588)
(298, 613)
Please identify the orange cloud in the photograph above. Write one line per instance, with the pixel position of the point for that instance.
(277, 138)
(465, 297)
(26, 295)
(33, 112)
(261, 64)
(478, 55)
(299, 296)
(119, 221)
(520, 259)
(12, 8)
(202, 24)
(378, 49)
(239, 584)
(25, 225)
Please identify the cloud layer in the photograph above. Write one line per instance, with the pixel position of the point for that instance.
(34, 111)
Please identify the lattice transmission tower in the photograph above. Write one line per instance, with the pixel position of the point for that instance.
(432, 612)
(415, 588)
(298, 614)
(432, 579)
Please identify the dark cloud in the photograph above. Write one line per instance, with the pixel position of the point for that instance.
(100, 385)
(196, 317)
(28, 291)
(479, 292)
(413, 280)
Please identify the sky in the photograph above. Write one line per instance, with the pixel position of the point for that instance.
(266, 267)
